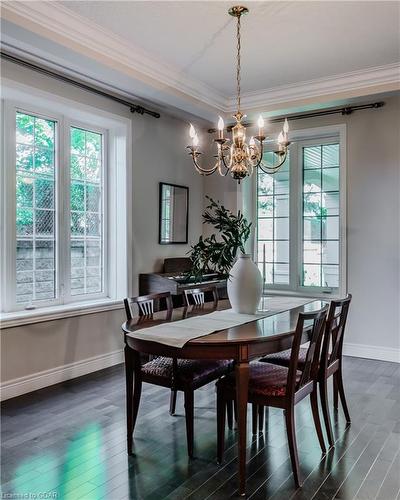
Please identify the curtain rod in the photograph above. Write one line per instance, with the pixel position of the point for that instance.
(347, 110)
(135, 108)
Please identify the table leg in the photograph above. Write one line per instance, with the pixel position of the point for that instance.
(242, 385)
(132, 373)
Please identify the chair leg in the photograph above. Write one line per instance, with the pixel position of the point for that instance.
(317, 420)
(189, 416)
(229, 412)
(261, 418)
(254, 416)
(235, 414)
(335, 393)
(323, 392)
(342, 395)
(291, 435)
(221, 404)
(172, 402)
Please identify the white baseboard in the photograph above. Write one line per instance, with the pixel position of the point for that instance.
(29, 383)
(372, 352)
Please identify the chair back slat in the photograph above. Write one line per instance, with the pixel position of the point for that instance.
(315, 322)
(334, 333)
(146, 304)
(198, 296)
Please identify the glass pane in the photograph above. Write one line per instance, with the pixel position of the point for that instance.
(281, 229)
(87, 214)
(312, 157)
(44, 160)
(312, 228)
(24, 255)
(330, 155)
(330, 252)
(281, 251)
(77, 167)
(24, 128)
(265, 229)
(332, 228)
(24, 191)
(44, 133)
(330, 202)
(266, 272)
(312, 252)
(281, 274)
(330, 276)
(24, 157)
(311, 275)
(24, 221)
(44, 222)
(77, 141)
(265, 206)
(265, 249)
(282, 206)
(312, 181)
(265, 184)
(281, 182)
(44, 193)
(330, 179)
(77, 193)
(312, 204)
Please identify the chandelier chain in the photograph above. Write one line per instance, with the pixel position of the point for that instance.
(238, 62)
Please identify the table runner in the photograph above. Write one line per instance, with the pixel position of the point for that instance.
(178, 333)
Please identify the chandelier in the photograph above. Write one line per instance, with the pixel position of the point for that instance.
(236, 156)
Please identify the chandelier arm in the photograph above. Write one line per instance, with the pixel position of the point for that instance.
(201, 170)
(271, 170)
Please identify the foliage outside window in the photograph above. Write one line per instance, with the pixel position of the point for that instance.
(44, 271)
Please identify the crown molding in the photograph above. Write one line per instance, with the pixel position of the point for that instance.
(388, 75)
(55, 22)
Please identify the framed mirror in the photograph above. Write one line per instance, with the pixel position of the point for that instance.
(173, 214)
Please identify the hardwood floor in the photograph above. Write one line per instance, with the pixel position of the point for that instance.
(69, 440)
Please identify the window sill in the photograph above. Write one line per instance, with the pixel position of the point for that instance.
(19, 318)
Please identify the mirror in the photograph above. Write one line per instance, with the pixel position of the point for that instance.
(173, 214)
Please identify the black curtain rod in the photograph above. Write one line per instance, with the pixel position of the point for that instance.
(135, 108)
(348, 110)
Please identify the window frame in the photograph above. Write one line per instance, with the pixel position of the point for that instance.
(300, 138)
(62, 156)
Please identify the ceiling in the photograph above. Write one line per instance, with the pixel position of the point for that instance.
(282, 42)
(296, 55)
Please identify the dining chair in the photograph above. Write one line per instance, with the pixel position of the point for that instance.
(184, 375)
(197, 296)
(330, 361)
(281, 387)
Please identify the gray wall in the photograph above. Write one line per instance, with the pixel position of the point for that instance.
(158, 154)
(373, 253)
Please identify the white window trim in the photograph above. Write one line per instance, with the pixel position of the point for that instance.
(119, 201)
(312, 135)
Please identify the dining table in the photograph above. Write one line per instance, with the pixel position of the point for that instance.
(241, 343)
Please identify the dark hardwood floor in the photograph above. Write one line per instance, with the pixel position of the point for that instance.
(69, 441)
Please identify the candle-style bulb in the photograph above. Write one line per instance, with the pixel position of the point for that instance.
(281, 139)
(195, 140)
(260, 122)
(221, 124)
(286, 126)
(192, 131)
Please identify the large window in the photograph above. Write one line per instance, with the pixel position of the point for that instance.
(55, 250)
(300, 215)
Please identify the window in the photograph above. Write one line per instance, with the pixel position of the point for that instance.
(56, 251)
(300, 215)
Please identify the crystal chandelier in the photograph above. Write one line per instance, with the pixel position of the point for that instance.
(237, 156)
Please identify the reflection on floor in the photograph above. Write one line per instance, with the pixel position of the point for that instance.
(68, 442)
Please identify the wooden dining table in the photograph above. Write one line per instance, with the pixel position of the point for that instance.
(240, 343)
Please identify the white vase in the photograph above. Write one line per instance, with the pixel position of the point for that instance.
(245, 285)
